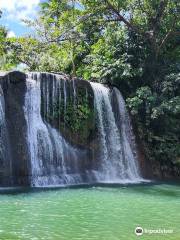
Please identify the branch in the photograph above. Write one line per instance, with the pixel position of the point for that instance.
(160, 13)
(168, 34)
(164, 40)
(119, 16)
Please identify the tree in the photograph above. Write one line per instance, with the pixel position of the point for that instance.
(132, 44)
(6, 61)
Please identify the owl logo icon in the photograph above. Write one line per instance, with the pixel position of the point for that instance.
(138, 231)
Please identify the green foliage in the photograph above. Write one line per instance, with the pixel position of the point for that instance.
(6, 61)
(25, 50)
(131, 44)
(157, 118)
(76, 117)
(3, 34)
(142, 102)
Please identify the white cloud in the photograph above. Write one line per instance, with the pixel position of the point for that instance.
(19, 9)
(11, 34)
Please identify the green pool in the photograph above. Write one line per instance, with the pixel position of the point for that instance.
(95, 213)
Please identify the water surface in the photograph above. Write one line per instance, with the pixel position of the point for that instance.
(94, 213)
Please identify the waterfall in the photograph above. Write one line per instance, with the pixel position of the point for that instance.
(63, 131)
(117, 159)
(53, 160)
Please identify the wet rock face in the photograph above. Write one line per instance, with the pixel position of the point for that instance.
(14, 87)
(153, 169)
(68, 105)
(13, 77)
(16, 77)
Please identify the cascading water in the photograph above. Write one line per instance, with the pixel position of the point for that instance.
(117, 161)
(64, 132)
(54, 161)
(50, 154)
(127, 136)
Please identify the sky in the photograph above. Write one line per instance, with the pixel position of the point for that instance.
(13, 13)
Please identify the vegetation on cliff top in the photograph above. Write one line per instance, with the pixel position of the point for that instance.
(133, 44)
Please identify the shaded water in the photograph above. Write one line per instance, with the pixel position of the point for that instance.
(99, 213)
